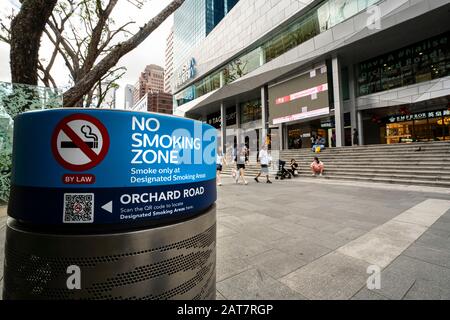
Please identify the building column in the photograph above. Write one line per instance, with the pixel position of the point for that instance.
(338, 102)
(360, 128)
(223, 127)
(352, 100)
(264, 113)
(221, 79)
(238, 123)
(281, 135)
(262, 57)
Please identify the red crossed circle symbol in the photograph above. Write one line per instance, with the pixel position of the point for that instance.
(78, 143)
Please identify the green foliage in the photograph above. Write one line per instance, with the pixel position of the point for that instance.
(5, 175)
(15, 99)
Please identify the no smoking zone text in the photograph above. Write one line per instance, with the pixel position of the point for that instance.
(149, 147)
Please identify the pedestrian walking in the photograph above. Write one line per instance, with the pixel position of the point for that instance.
(241, 160)
(220, 161)
(264, 159)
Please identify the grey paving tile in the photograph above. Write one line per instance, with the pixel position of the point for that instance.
(305, 250)
(224, 231)
(256, 285)
(395, 285)
(366, 294)
(383, 244)
(421, 270)
(431, 255)
(434, 239)
(276, 263)
(443, 226)
(314, 223)
(334, 276)
(228, 267)
(349, 233)
(240, 246)
(219, 296)
(427, 290)
(264, 233)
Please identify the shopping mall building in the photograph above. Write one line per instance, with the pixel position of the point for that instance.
(283, 71)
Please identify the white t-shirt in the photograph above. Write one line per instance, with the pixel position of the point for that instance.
(264, 157)
(219, 159)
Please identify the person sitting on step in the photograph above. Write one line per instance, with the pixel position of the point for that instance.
(317, 167)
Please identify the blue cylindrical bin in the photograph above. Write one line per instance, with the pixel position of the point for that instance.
(110, 204)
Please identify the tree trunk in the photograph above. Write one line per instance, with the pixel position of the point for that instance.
(26, 32)
(88, 80)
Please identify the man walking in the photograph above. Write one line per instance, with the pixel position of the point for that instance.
(264, 160)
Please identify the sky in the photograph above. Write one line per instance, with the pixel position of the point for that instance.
(151, 51)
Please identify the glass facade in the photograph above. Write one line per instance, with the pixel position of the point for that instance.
(189, 29)
(193, 21)
(241, 66)
(208, 84)
(423, 61)
(318, 19)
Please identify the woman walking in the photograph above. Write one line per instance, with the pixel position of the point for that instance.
(241, 160)
(220, 161)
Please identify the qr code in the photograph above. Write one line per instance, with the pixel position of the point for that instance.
(78, 208)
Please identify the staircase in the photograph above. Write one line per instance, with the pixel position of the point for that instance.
(400, 163)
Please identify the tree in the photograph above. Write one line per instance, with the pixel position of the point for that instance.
(26, 32)
(90, 56)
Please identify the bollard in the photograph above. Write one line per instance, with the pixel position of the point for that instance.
(110, 204)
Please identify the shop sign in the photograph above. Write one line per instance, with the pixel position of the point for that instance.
(418, 116)
(327, 124)
(215, 118)
(302, 94)
(303, 115)
(188, 72)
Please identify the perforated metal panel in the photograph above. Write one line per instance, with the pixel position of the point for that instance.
(172, 262)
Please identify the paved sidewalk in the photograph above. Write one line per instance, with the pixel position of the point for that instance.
(309, 239)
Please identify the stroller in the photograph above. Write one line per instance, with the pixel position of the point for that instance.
(282, 172)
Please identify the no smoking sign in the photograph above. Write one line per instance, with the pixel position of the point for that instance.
(80, 142)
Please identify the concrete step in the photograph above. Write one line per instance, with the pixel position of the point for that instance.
(385, 180)
(405, 171)
(386, 175)
(391, 154)
(396, 174)
(400, 162)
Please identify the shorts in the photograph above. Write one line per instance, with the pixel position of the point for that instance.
(219, 167)
(317, 167)
(240, 166)
(264, 169)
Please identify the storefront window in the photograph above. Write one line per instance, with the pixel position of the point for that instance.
(251, 111)
(418, 127)
(399, 132)
(424, 61)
